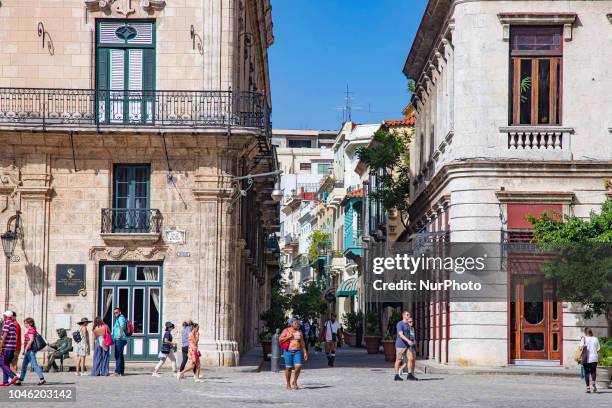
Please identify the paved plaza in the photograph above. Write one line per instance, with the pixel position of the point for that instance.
(368, 383)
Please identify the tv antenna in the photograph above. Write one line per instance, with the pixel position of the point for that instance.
(348, 105)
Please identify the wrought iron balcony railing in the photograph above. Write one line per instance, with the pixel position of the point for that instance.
(40, 107)
(131, 220)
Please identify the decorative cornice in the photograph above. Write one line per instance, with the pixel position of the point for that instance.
(35, 193)
(506, 169)
(153, 5)
(99, 253)
(124, 7)
(542, 197)
(523, 18)
(9, 181)
(131, 239)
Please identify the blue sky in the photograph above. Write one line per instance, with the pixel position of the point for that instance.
(323, 45)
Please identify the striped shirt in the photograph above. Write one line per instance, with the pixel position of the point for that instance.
(10, 343)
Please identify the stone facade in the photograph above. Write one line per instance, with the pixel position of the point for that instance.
(470, 163)
(62, 176)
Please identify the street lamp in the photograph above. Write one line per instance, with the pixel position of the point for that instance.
(276, 194)
(9, 241)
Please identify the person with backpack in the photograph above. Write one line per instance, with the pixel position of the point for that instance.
(167, 350)
(294, 350)
(81, 345)
(102, 343)
(29, 351)
(120, 332)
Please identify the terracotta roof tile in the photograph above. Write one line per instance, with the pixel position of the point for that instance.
(355, 193)
(409, 121)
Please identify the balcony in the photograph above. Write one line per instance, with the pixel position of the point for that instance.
(82, 109)
(127, 225)
(353, 243)
(544, 142)
(292, 240)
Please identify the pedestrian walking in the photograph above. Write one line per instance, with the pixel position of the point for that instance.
(185, 331)
(81, 346)
(307, 333)
(120, 339)
(405, 347)
(101, 345)
(29, 351)
(314, 336)
(330, 336)
(18, 347)
(194, 354)
(590, 357)
(295, 352)
(8, 344)
(166, 351)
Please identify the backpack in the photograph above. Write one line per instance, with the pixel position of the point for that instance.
(76, 336)
(129, 328)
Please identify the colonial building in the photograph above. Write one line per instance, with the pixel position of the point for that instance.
(123, 127)
(513, 116)
(305, 157)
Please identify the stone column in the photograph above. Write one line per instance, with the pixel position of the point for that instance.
(216, 305)
(35, 198)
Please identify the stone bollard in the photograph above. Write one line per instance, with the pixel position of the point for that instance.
(276, 353)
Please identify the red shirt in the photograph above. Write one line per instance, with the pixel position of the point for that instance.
(30, 334)
(18, 333)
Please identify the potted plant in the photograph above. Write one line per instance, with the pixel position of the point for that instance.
(390, 337)
(389, 347)
(604, 368)
(350, 321)
(372, 333)
(275, 317)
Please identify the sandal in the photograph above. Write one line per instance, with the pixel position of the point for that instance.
(42, 382)
(588, 390)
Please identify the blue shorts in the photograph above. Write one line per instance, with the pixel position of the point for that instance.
(293, 357)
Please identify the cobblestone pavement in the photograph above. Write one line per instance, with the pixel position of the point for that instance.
(370, 384)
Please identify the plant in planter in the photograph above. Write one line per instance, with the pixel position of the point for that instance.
(604, 368)
(350, 322)
(390, 337)
(372, 336)
(275, 317)
(389, 347)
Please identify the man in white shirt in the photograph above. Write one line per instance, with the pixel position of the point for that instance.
(331, 331)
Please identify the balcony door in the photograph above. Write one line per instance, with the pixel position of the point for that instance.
(131, 198)
(125, 67)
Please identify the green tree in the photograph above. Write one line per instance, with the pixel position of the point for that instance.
(310, 303)
(582, 265)
(276, 316)
(388, 156)
(319, 243)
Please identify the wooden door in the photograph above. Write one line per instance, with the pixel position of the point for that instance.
(535, 320)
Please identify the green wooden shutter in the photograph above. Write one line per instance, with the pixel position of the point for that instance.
(148, 73)
(102, 69)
